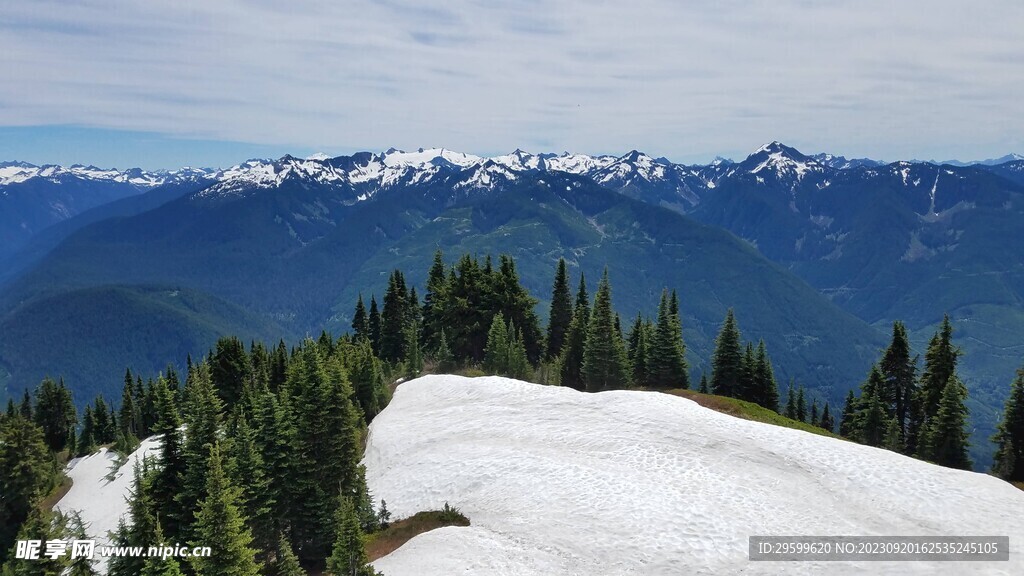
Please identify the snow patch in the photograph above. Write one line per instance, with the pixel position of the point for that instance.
(556, 481)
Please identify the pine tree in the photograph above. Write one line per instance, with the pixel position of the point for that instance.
(814, 412)
(605, 366)
(571, 361)
(276, 441)
(703, 389)
(893, 439)
(560, 314)
(129, 415)
(518, 361)
(514, 302)
(940, 362)
(435, 303)
(746, 387)
(469, 311)
(360, 322)
(155, 566)
(727, 361)
(25, 408)
(103, 426)
(873, 419)
(367, 379)
(443, 356)
(827, 421)
(221, 525)
(1009, 438)
(87, 437)
(668, 367)
(946, 441)
(139, 530)
(374, 322)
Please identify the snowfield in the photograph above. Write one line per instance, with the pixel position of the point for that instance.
(556, 481)
(101, 502)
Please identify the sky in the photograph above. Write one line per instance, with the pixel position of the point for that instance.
(161, 84)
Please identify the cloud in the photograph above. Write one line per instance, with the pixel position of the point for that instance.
(686, 80)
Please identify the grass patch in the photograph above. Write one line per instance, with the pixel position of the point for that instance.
(749, 411)
(53, 497)
(386, 541)
(1018, 485)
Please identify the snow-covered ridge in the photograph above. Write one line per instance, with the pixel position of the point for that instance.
(18, 172)
(556, 481)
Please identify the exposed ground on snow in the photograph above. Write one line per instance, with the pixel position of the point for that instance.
(560, 482)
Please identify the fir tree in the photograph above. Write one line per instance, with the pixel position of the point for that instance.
(129, 415)
(202, 421)
(360, 321)
(899, 374)
(766, 390)
(443, 355)
(285, 562)
(367, 379)
(639, 353)
(496, 351)
(435, 303)
(1009, 438)
(668, 367)
(703, 389)
(940, 362)
(604, 358)
(893, 439)
(727, 361)
(413, 354)
(827, 422)
(513, 301)
(230, 370)
(560, 314)
(946, 441)
(87, 437)
(276, 441)
(139, 530)
(873, 420)
(348, 557)
(801, 405)
(55, 413)
(518, 361)
(26, 474)
(791, 402)
(393, 319)
(746, 387)
(571, 361)
(374, 322)
(221, 526)
(848, 418)
(167, 478)
(155, 566)
(814, 412)
(249, 474)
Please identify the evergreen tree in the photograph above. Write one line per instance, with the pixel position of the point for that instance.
(814, 412)
(639, 354)
(791, 402)
(469, 310)
(727, 361)
(55, 413)
(512, 301)
(360, 321)
(766, 390)
(434, 303)
(413, 354)
(393, 318)
(221, 525)
(893, 439)
(26, 475)
(129, 415)
(367, 379)
(746, 388)
(155, 566)
(87, 437)
(168, 476)
(202, 421)
(848, 418)
(605, 366)
(1009, 438)
(560, 315)
(249, 474)
(571, 361)
(285, 562)
(496, 351)
(827, 422)
(374, 322)
(873, 420)
(940, 362)
(326, 454)
(276, 441)
(103, 426)
(230, 370)
(703, 389)
(899, 374)
(348, 557)
(443, 355)
(25, 408)
(668, 367)
(801, 405)
(139, 530)
(518, 361)
(946, 441)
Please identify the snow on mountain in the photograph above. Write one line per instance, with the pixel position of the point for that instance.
(18, 172)
(100, 501)
(423, 157)
(555, 481)
(781, 162)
